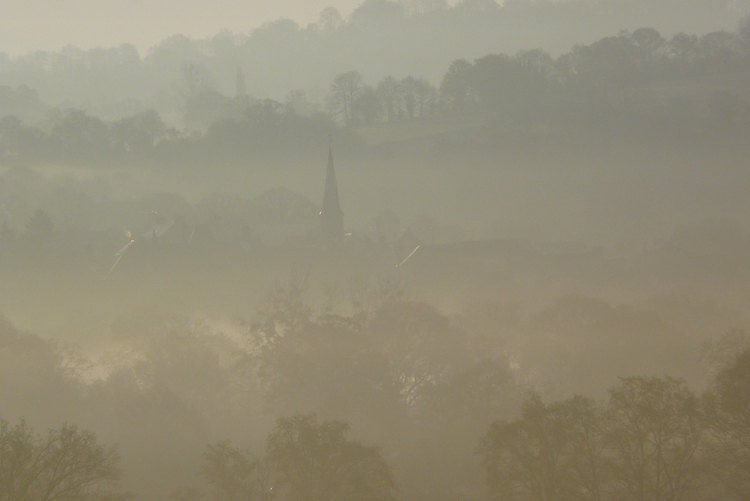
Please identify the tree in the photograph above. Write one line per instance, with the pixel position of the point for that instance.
(421, 346)
(67, 464)
(197, 78)
(588, 449)
(416, 93)
(683, 47)
(473, 397)
(344, 90)
(718, 356)
(366, 105)
(728, 419)
(655, 434)
(139, 133)
(456, 85)
(326, 364)
(18, 140)
(81, 135)
(645, 445)
(649, 41)
(330, 20)
(408, 88)
(234, 474)
(513, 87)
(264, 115)
(389, 91)
(426, 97)
(378, 13)
(316, 462)
(527, 457)
(609, 69)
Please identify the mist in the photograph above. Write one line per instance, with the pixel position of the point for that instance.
(383, 251)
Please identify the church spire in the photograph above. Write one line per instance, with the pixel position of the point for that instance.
(331, 215)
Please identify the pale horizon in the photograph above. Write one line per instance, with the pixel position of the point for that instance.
(30, 25)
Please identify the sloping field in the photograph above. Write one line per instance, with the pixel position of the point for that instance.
(407, 130)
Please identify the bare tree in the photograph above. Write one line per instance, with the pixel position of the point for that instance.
(655, 433)
(410, 91)
(456, 86)
(426, 94)
(344, 90)
(527, 458)
(67, 464)
(728, 419)
(367, 108)
(234, 474)
(389, 91)
(316, 462)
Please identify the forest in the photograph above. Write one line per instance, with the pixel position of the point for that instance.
(637, 87)
(541, 292)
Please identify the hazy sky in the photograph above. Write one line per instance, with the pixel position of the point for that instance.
(27, 25)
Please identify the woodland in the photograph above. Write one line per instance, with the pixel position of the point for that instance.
(574, 327)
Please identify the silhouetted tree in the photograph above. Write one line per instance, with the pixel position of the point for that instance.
(409, 92)
(317, 462)
(609, 69)
(388, 90)
(80, 135)
(421, 345)
(527, 457)
(197, 78)
(416, 93)
(264, 115)
(588, 456)
(728, 413)
(683, 47)
(366, 106)
(655, 431)
(456, 85)
(139, 133)
(234, 474)
(722, 353)
(425, 93)
(330, 20)
(344, 90)
(66, 464)
(377, 13)
(511, 88)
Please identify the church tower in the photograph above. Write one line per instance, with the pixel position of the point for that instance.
(331, 215)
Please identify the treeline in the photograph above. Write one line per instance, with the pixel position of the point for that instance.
(653, 438)
(638, 85)
(421, 386)
(72, 137)
(420, 37)
(306, 460)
